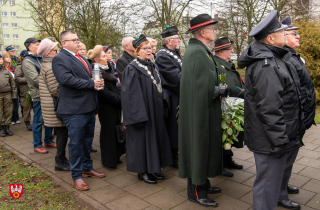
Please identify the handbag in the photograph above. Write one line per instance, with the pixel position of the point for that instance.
(121, 131)
(55, 102)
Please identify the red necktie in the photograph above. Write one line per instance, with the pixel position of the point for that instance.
(84, 63)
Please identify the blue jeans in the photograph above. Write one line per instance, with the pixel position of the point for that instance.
(37, 127)
(15, 113)
(81, 132)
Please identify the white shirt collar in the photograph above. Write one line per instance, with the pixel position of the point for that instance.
(70, 52)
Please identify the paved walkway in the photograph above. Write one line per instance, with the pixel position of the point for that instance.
(122, 190)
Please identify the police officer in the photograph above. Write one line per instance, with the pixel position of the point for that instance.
(169, 62)
(272, 119)
(8, 92)
(308, 95)
(12, 52)
(223, 50)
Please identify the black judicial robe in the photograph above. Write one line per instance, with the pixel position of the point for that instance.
(170, 70)
(148, 149)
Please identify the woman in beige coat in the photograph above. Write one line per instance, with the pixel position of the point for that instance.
(49, 86)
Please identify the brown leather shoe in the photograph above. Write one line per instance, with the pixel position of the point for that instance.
(80, 184)
(41, 150)
(93, 174)
(53, 145)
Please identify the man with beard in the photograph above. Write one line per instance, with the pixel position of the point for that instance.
(272, 121)
(169, 62)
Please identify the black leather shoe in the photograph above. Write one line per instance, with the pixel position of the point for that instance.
(63, 166)
(292, 190)
(93, 149)
(8, 132)
(234, 165)
(147, 178)
(226, 172)
(2, 131)
(213, 190)
(29, 126)
(288, 204)
(207, 202)
(157, 176)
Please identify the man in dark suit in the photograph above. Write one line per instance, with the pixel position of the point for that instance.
(77, 101)
(127, 55)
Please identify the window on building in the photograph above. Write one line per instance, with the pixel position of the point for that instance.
(12, 2)
(3, 2)
(6, 36)
(14, 25)
(4, 13)
(15, 36)
(17, 47)
(13, 14)
(5, 25)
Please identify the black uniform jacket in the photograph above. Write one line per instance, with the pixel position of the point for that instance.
(170, 69)
(308, 96)
(122, 63)
(272, 107)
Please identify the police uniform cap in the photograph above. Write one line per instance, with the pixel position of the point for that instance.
(139, 41)
(169, 31)
(287, 21)
(267, 25)
(10, 47)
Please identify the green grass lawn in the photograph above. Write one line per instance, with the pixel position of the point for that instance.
(317, 118)
(39, 191)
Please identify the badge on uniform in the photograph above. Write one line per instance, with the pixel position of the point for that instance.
(6, 75)
(266, 62)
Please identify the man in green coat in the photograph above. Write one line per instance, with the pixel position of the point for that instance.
(199, 127)
(223, 50)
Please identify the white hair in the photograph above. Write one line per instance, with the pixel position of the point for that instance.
(196, 33)
(151, 40)
(126, 41)
(165, 40)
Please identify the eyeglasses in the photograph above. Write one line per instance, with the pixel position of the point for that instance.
(210, 29)
(55, 51)
(294, 34)
(147, 48)
(75, 41)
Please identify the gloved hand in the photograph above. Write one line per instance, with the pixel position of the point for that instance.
(278, 151)
(223, 90)
(165, 110)
(138, 126)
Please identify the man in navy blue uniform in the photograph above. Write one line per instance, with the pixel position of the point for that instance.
(77, 102)
(169, 62)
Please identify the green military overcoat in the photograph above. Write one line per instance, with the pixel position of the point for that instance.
(200, 140)
(233, 81)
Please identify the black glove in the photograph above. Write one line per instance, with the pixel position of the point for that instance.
(278, 151)
(138, 126)
(165, 110)
(223, 90)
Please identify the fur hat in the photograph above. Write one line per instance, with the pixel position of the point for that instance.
(46, 45)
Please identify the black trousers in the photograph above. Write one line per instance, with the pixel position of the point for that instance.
(61, 141)
(227, 156)
(197, 192)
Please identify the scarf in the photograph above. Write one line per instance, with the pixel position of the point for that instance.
(103, 67)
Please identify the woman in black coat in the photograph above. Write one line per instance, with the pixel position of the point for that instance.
(109, 110)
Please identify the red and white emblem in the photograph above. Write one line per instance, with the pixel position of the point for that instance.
(16, 190)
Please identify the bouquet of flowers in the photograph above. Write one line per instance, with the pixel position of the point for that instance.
(232, 117)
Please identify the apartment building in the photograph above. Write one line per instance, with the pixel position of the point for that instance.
(16, 24)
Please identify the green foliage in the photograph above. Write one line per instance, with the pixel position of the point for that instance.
(310, 50)
(223, 78)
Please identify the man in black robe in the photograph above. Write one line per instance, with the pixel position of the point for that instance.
(127, 55)
(147, 144)
(169, 62)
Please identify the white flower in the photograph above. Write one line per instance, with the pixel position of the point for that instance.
(227, 146)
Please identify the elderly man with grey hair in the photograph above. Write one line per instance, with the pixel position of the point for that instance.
(127, 55)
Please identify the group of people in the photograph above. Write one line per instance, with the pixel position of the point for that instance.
(169, 105)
